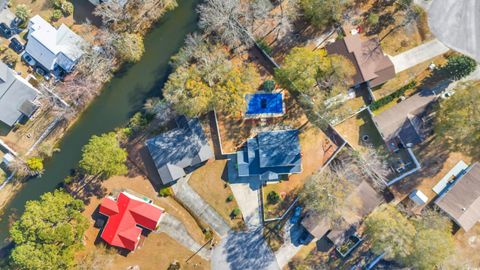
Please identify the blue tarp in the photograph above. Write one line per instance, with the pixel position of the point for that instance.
(264, 103)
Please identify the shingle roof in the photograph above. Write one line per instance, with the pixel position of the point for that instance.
(16, 96)
(404, 119)
(270, 154)
(367, 57)
(462, 199)
(180, 148)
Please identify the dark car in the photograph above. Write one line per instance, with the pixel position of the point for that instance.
(5, 30)
(40, 71)
(27, 58)
(16, 45)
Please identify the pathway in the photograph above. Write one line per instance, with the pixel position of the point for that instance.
(417, 55)
(243, 251)
(291, 245)
(175, 229)
(197, 205)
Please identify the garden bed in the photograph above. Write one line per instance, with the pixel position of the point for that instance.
(348, 246)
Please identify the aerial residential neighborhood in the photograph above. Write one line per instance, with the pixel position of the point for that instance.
(239, 134)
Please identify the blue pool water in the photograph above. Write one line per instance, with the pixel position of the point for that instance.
(264, 103)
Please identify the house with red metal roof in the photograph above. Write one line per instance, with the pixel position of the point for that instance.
(127, 216)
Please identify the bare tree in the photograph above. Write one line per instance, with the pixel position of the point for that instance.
(224, 19)
(160, 109)
(112, 13)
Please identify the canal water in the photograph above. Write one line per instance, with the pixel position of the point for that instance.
(119, 100)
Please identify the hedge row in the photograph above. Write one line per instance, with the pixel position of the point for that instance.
(387, 99)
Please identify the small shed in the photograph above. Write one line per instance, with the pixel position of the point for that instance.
(418, 197)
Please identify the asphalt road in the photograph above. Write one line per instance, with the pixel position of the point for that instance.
(456, 23)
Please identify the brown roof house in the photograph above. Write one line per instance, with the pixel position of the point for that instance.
(404, 123)
(371, 64)
(361, 202)
(461, 199)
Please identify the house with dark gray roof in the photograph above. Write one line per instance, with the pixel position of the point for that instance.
(270, 155)
(17, 96)
(404, 123)
(180, 150)
(461, 198)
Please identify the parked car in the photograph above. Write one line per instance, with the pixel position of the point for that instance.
(27, 58)
(16, 45)
(40, 71)
(5, 30)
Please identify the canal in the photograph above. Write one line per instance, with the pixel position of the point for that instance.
(119, 100)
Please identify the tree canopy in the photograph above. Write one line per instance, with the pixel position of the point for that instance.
(103, 156)
(457, 121)
(323, 13)
(326, 193)
(204, 78)
(48, 233)
(320, 79)
(423, 242)
(130, 46)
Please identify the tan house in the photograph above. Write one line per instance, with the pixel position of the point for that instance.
(371, 64)
(461, 199)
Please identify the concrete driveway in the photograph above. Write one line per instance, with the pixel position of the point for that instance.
(457, 24)
(417, 55)
(243, 251)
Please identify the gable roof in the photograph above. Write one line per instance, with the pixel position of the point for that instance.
(371, 64)
(179, 148)
(54, 43)
(124, 215)
(270, 154)
(16, 96)
(404, 119)
(461, 200)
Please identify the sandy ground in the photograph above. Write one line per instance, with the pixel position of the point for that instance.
(158, 250)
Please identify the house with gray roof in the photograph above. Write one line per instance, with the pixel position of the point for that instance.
(180, 150)
(270, 155)
(460, 199)
(53, 48)
(17, 96)
(404, 123)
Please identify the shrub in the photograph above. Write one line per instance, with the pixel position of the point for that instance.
(458, 67)
(263, 45)
(35, 164)
(268, 86)
(10, 57)
(56, 15)
(387, 99)
(230, 198)
(165, 192)
(68, 180)
(372, 19)
(235, 212)
(273, 197)
(67, 8)
(137, 122)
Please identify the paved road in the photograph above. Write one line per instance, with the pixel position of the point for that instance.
(243, 251)
(201, 208)
(418, 55)
(457, 24)
(175, 229)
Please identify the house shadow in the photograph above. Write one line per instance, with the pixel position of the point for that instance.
(83, 13)
(4, 129)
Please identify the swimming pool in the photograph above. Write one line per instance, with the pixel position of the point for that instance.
(264, 105)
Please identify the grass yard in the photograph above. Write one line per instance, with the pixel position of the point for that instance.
(354, 128)
(209, 183)
(316, 150)
(3, 176)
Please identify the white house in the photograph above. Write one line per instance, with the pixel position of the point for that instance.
(53, 48)
(17, 96)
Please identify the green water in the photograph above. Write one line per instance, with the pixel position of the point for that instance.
(119, 100)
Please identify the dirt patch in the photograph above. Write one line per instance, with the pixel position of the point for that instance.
(467, 245)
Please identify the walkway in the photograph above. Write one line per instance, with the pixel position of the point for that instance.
(175, 229)
(243, 251)
(417, 55)
(291, 245)
(197, 205)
